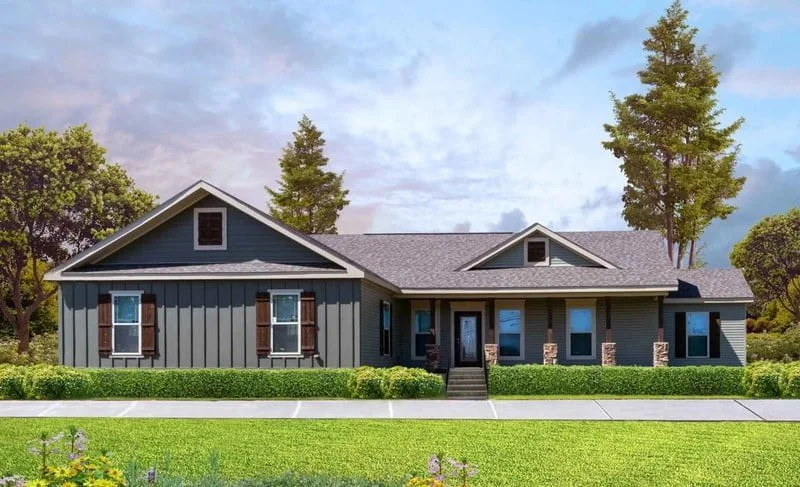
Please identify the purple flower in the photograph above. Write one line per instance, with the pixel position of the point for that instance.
(151, 476)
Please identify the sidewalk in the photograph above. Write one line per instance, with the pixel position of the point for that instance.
(603, 410)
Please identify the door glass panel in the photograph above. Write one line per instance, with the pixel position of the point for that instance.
(469, 329)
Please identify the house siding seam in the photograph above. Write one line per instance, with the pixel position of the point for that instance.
(247, 239)
(733, 345)
(211, 324)
(371, 297)
(514, 256)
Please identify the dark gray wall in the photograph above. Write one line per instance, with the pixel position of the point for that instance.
(371, 297)
(247, 239)
(212, 323)
(732, 346)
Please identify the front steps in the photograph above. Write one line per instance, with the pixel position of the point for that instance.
(466, 383)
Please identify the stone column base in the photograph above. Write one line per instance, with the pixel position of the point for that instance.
(431, 357)
(609, 353)
(550, 352)
(660, 354)
(490, 353)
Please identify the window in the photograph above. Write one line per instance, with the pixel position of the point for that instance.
(126, 322)
(580, 329)
(537, 251)
(421, 331)
(386, 328)
(285, 326)
(697, 334)
(510, 329)
(210, 229)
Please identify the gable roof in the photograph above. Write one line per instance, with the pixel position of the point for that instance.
(703, 284)
(520, 236)
(180, 202)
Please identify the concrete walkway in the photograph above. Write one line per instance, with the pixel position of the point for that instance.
(603, 410)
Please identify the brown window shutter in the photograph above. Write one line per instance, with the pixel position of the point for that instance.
(149, 325)
(263, 320)
(104, 324)
(680, 334)
(308, 323)
(714, 334)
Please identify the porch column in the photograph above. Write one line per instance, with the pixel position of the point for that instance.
(491, 350)
(432, 349)
(660, 346)
(609, 346)
(550, 348)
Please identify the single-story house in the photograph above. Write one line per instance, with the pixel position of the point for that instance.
(206, 280)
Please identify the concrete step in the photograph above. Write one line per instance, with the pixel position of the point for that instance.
(467, 381)
(454, 386)
(462, 375)
(465, 395)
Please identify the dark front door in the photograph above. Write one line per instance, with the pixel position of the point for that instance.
(468, 338)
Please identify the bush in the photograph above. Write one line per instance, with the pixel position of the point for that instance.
(43, 350)
(403, 383)
(790, 380)
(54, 382)
(762, 379)
(12, 382)
(777, 347)
(366, 383)
(219, 383)
(593, 379)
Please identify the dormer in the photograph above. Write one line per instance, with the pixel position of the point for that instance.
(211, 229)
(536, 251)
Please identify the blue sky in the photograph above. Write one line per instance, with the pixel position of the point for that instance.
(446, 116)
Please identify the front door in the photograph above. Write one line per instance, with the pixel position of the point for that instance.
(468, 338)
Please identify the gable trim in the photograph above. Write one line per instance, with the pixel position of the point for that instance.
(523, 235)
(178, 203)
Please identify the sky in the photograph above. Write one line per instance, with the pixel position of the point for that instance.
(444, 116)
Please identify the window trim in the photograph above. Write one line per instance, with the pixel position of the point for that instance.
(274, 322)
(579, 304)
(517, 304)
(114, 353)
(388, 351)
(421, 306)
(707, 335)
(546, 261)
(224, 212)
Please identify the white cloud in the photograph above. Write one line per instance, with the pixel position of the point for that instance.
(764, 82)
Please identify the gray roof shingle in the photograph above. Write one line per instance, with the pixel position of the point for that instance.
(711, 283)
(249, 267)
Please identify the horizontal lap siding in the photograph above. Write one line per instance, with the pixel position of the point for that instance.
(211, 323)
(733, 346)
(514, 256)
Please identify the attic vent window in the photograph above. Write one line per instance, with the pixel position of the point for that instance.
(210, 229)
(537, 252)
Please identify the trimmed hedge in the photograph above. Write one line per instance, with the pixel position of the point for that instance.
(622, 380)
(394, 383)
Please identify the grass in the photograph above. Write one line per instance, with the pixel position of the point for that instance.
(509, 453)
(590, 397)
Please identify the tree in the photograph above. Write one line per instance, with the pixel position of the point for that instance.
(769, 257)
(309, 198)
(45, 318)
(678, 159)
(58, 196)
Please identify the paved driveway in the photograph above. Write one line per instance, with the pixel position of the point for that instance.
(602, 410)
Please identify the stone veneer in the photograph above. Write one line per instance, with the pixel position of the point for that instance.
(609, 353)
(431, 357)
(550, 352)
(490, 353)
(660, 354)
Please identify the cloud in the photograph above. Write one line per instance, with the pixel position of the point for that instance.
(794, 153)
(595, 42)
(764, 82)
(510, 221)
(729, 43)
(462, 227)
(769, 190)
(603, 197)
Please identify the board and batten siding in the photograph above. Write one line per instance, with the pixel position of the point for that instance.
(560, 256)
(247, 239)
(732, 341)
(212, 323)
(371, 297)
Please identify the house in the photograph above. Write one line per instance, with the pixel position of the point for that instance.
(206, 280)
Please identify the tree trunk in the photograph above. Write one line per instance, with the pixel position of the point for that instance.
(23, 332)
(691, 255)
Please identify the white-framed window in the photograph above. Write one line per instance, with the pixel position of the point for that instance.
(581, 328)
(285, 323)
(510, 324)
(126, 323)
(697, 326)
(210, 229)
(537, 251)
(386, 328)
(420, 329)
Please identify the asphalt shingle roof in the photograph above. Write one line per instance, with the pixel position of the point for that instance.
(249, 267)
(711, 283)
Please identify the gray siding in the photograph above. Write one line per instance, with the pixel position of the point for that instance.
(212, 323)
(371, 297)
(562, 256)
(733, 346)
(514, 256)
(247, 239)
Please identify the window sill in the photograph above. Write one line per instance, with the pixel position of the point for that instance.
(291, 355)
(581, 357)
(514, 358)
(125, 355)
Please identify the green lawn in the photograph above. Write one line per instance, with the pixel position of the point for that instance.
(509, 453)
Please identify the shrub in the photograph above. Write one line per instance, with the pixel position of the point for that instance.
(9, 354)
(366, 383)
(777, 347)
(790, 380)
(623, 380)
(54, 382)
(43, 350)
(404, 383)
(12, 381)
(219, 383)
(762, 379)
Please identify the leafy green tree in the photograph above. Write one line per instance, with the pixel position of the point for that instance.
(309, 198)
(45, 318)
(769, 257)
(678, 159)
(58, 196)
